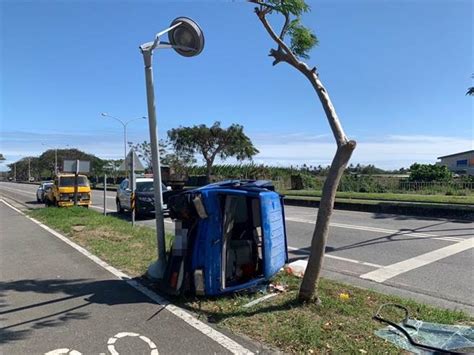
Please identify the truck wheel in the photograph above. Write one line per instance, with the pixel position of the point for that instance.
(119, 206)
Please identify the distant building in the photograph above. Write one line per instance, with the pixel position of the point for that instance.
(459, 163)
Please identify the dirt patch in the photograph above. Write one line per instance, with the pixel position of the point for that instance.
(78, 228)
(98, 233)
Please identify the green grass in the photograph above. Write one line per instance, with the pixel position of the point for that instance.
(466, 200)
(337, 326)
(131, 249)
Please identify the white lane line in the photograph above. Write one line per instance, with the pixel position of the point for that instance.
(101, 208)
(390, 271)
(380, 230)
(23, 192)
(221, 339)
(341, 258)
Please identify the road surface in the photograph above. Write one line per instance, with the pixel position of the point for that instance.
(429, 259)
(56, 300)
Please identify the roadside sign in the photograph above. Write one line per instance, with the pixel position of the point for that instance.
(137, 164)
(70, 166)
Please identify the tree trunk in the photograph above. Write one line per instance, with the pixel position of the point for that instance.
(208, 170)
(326, 205)
(344, 151)
(320, 234)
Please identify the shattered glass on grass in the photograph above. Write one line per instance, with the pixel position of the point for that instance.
(458, 338)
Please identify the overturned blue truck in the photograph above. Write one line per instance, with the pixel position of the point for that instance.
(230, 236)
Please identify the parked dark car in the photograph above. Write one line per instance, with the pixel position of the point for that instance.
(144, 196)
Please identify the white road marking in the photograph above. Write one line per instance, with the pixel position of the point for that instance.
(101, 208)
(23, 192)
(390, 271)
(111, 342)
(63, 351)
(379, 230)
(221, 339)
(341, 258)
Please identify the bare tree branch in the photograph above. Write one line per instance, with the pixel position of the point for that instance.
(281, 44)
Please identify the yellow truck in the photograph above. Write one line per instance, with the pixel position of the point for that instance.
(62, 192)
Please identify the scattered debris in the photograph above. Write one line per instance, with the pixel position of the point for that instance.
(297, 268)
(278, 288)
(344, 296)
(421, 337)
(258, 300)
(78, 228)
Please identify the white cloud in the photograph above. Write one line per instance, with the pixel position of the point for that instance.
(386, 152)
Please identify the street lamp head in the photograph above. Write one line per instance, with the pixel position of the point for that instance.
(187, 39)
(103, 114)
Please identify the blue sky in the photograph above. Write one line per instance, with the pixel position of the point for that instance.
(397, 72)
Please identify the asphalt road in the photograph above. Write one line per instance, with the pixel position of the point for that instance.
(428, 259)
(56, 300)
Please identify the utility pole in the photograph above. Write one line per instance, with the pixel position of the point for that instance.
(29, 169)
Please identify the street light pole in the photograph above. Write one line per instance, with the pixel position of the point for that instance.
(186, 38)
(29, 169)
(124, 124)
(157, 269)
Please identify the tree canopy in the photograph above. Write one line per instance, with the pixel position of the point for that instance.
(429, 172)
(43, 166)
(212, 142)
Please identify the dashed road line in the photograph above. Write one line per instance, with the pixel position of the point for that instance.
(380, 230)
(340, 258)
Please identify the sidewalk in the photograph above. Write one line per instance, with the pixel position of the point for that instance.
(53, 297)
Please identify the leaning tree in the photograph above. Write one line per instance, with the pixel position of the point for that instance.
(301, 41)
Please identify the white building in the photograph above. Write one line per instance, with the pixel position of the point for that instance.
(460, 163)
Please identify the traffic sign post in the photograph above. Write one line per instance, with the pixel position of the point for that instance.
(132, 184)
(105, 194)
(76, 174)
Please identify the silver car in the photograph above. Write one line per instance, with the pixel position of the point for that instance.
(42, 190)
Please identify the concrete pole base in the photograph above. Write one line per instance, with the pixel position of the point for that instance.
(156, 270)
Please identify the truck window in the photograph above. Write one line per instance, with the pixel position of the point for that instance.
(69, 181)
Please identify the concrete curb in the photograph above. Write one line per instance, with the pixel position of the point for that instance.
(461, 212)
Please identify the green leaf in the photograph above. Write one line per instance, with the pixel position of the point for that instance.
(302, 39)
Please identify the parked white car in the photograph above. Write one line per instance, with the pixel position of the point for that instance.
(42, 190)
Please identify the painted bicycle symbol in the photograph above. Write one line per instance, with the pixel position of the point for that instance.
(110, 345)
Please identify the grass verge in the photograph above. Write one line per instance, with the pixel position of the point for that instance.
(339, 325)
(131, 249)
(466, 200)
